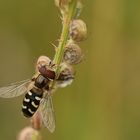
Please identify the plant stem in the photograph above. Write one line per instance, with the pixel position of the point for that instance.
(35, 136)
(64, 35)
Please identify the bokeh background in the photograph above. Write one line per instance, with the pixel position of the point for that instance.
(103, 103)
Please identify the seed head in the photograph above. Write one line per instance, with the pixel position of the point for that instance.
(72, 54)
(78, 30)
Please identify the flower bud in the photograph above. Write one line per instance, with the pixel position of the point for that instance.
(62, 4)
(28, 133)
(78, 10)
(72, 54)
(78, 30)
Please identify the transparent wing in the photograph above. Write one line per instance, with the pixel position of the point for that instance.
(47, 113)
(14, 89)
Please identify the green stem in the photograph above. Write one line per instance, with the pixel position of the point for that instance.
(35, 136)
(64, 35)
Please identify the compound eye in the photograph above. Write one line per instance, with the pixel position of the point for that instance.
(42, 70)
(50, 74)
(47, 73)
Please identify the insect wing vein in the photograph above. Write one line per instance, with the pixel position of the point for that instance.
(47, 113)
(14, 89)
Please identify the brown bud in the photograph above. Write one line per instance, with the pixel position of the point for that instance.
(78, 30)
(28, 133)
(72, 54)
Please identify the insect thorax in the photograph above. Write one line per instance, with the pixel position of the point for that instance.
(41, 81)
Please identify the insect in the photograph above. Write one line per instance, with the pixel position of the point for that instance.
(37, 94)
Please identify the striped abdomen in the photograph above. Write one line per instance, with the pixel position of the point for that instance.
(31, 102)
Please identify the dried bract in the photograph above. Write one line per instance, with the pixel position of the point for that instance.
(72, 54)
(78, 30)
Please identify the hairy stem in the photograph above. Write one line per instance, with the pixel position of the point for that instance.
(64, 35)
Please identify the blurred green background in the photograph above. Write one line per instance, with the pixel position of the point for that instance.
(103, 103)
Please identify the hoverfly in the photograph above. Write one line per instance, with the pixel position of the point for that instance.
(38, 95)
